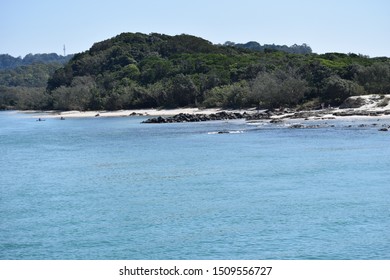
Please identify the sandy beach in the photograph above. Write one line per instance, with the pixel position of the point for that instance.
(129, 113)
(356, 107)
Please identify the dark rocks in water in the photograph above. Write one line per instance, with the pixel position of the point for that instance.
(297, 126)
(161, 120)
(385, 127)
(300, 126)
(197, 117)
(135, 114)
(156, 120)
(367, 125)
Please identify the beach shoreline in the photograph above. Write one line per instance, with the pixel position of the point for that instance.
(130, 112)
(356, 107)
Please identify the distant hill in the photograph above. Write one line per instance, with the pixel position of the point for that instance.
(296, 49)
(9, 62)
(23, 81)
(33, 70)
(135, 70)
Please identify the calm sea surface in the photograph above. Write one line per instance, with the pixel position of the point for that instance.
(113, 188)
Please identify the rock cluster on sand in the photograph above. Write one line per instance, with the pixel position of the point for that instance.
(197, 117)
(274, 116)
(353, 102)
(263, 115)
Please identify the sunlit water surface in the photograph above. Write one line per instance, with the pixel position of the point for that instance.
(113, 188)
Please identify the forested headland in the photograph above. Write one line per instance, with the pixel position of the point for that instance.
(23, 81)
(134, 70)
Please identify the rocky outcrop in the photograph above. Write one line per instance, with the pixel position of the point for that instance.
(301, 126)
(353, 102)
(307, 114)
(367, 105)
(357, 113)
(385, 127)
(259, 116)
(197, 117)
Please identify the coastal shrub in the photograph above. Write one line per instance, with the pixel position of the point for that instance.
(375, 78)
(271, 90)
(181, 92)
(23, 98)
(336, 90)
(75, 97)
(215, 97)
(236, 95)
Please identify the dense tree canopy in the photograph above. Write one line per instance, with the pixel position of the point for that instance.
(297, 49)
(23, 81)
(134, 70)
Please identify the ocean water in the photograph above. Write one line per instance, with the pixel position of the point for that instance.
(113, 188)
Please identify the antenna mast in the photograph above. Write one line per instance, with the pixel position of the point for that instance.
(64, 51)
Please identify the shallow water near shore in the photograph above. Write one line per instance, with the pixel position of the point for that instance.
(113, 188)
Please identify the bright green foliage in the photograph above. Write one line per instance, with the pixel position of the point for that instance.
(233, 96)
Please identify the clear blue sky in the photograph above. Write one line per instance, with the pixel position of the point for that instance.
(44, 26)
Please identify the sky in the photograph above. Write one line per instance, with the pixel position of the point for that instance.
(347, 26)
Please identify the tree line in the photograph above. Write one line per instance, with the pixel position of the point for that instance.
(9, 62)
(24, 87)
(23, 81)
(252, 45)
(134, 70)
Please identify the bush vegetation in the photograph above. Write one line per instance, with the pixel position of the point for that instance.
(134, 70)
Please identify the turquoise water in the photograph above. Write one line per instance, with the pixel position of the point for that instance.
(113, 188)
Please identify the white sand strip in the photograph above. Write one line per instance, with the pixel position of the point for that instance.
(127, 113)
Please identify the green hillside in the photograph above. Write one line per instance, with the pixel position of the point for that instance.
(134, 70)
(23, 81)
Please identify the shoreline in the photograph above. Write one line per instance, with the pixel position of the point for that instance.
(356, 107)
(129, 113)
(335, 113)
